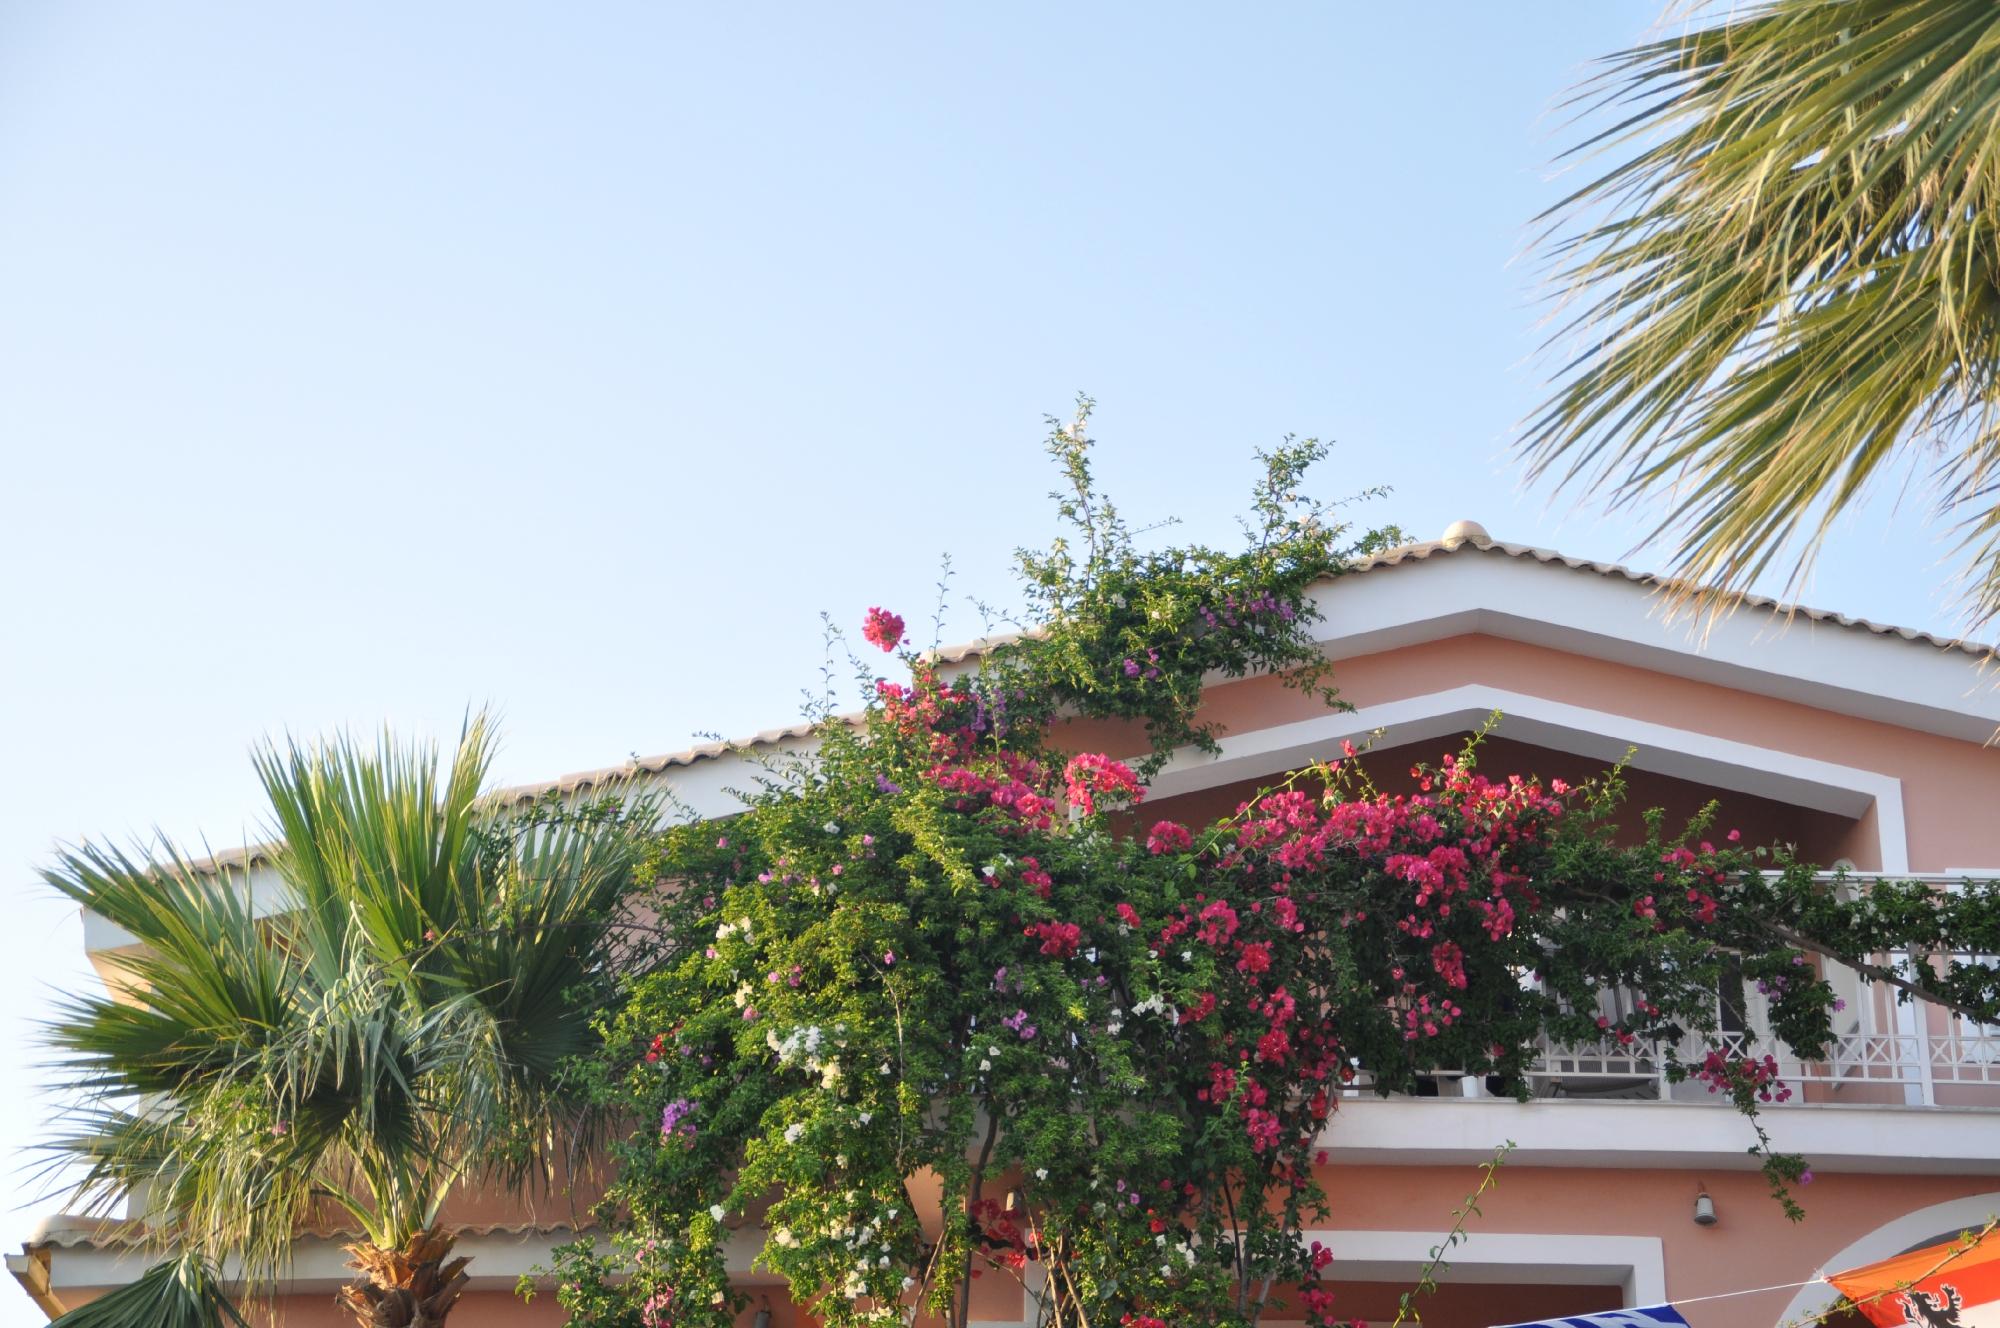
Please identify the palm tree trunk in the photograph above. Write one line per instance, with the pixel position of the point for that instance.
(408, 1288)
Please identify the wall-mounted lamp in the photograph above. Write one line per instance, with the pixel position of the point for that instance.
(763, 1317)
(1704, 1208)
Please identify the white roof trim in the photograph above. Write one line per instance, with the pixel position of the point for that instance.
(1816, 662)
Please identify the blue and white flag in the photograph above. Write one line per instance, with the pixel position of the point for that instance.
(1647, 1316)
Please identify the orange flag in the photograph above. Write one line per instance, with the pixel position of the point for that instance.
(1946, 1290)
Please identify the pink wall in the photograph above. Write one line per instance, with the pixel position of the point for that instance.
(1751, 1246)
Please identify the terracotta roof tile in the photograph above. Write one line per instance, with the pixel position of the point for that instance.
(650, 765)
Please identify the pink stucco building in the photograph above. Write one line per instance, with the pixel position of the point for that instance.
(1863, 745)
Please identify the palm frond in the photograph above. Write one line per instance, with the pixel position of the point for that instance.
(398, 1025)
(1787, 282)
(177, 1293)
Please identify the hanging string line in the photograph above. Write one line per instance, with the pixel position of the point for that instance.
(1750, 1291)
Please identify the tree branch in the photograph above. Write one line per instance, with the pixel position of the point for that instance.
(1877, 973)
(964, 1315)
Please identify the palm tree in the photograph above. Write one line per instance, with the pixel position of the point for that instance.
(1787, 285)
(395, 1027)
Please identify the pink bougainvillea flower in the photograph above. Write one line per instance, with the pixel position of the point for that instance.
(1168, 837)
(1091, 774)
(1059, 939)
(883, 628)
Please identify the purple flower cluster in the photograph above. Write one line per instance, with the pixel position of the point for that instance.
(1250, 608)
(674, 1121)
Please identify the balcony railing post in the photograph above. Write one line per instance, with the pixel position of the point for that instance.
(1914, 1043)
(1926, 1073)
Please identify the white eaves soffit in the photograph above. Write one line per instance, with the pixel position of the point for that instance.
(1846, 669)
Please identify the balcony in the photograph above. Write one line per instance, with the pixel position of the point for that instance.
(1883, 1053)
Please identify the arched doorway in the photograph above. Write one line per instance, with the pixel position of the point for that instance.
(1911, 1231)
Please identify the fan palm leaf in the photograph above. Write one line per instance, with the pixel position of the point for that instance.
(392, 1023)
(1787, 284)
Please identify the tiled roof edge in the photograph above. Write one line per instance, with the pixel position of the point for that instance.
(608, 776)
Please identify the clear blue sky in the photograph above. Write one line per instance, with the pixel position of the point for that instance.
(361, 361)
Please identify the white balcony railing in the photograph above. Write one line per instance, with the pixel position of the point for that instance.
(1883, 1051)
(1959, 1067)
(1956, 1068)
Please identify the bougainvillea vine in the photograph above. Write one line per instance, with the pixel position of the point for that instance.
(942, 1005)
